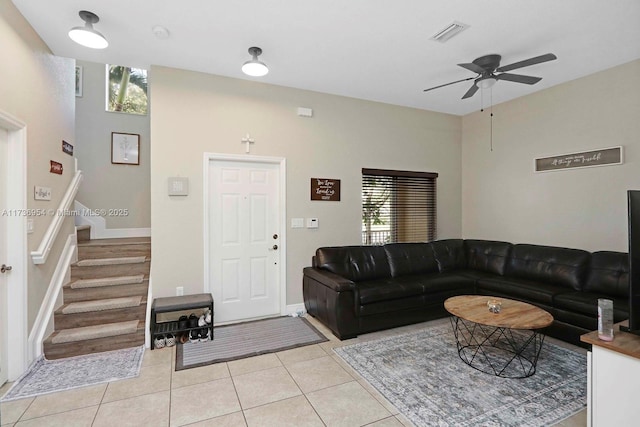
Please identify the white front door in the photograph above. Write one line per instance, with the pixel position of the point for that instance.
(3, 255)
(245, 246)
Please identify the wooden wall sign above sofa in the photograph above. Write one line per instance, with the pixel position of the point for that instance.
(325, 189)
(601, 157)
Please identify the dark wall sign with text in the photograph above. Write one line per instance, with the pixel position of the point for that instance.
(56, 167)
(325, 189)
(67, 148)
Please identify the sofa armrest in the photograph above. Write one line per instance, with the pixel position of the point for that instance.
(330, 298)
(331, 280)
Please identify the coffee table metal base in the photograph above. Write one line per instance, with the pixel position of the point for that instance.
(504, 352)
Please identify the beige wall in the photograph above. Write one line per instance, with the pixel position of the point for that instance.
(105, 185)
(194, 113)
(503, 199)
(38, 89)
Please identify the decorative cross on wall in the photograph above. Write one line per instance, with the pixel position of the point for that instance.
(248, 141)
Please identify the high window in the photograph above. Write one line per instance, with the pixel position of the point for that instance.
(126, 89)
(398, 206)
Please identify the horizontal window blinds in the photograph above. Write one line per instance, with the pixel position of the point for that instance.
(398, 206)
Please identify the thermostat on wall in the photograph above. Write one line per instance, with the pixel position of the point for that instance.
(178, 186)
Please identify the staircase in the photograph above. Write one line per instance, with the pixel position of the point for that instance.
(106, 300)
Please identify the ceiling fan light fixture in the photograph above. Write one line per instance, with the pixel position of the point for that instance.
(254, 67)
(88, 36)
(486, 83)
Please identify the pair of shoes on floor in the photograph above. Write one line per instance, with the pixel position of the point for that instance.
(205, 319)
(162, 341)
(183, 322)
(193, 320)
(199, 335)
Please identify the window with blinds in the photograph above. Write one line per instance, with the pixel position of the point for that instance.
(398, 206)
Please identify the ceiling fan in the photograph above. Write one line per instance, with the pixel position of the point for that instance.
(487, 66)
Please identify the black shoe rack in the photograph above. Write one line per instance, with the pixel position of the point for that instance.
(173, 304)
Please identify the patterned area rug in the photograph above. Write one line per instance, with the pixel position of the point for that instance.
(421, 374)
(248, 339)
(50, 376)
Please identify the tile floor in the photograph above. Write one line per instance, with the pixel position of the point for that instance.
(307, 386)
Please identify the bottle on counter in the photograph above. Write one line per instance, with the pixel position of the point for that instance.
(605, 319)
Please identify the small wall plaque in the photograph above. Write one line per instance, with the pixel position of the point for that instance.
(41, 193)
(325, 189)
(67, 148)
(583, 159)
(56, 167)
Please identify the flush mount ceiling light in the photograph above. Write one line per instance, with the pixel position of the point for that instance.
(254, 67)
(87, 36)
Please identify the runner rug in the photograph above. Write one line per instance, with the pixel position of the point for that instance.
(421, 374)
(248, 339)
(50, 376)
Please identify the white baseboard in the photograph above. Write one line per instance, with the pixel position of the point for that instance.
(147, 332)
(60, 276)
(99, 228)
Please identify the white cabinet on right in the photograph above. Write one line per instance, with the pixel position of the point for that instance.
(614, 381)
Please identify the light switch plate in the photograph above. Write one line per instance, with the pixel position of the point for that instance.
(41, 193)
(178, 186)
(312, 222)
(297, 222)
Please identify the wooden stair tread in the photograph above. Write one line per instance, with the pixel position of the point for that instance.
(106, 281)
(93, 332)
(101, 305)
(118, 241)
(111, 261)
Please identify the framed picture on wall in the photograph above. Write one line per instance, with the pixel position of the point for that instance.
(78, 80)
(125, 148)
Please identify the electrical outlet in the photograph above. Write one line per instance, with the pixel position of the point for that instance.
(179, 291)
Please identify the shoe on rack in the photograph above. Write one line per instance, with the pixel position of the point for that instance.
(183, 322)
(207, 317)
(193, 321)
(159, 342)
(201, 321)
(194, 335)
(170, 340)
(182, 337)
(204, 334)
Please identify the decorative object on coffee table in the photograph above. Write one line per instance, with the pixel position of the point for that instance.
(507, 343)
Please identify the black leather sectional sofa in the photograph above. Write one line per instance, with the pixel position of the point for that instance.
(359, 289)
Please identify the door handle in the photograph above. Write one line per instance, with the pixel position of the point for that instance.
(6, 268)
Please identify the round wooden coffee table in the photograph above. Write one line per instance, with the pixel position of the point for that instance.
(506, 344)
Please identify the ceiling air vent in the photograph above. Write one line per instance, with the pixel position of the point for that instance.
(449, 31)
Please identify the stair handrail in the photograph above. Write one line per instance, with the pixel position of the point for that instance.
(40, 255)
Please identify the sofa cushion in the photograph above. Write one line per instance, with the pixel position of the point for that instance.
(587, 303)
(519, 289)
(547, 264)
(410, 258)
(355, 263)
(449, 254)
(370, 291)
(608, 274)
(487, 256)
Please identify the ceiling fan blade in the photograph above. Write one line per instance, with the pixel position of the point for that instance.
(518, 78)
(473, 67)
(447, 84)
(472, 90)
(528, 62)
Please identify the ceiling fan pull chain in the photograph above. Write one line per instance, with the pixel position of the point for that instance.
(491, 121)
